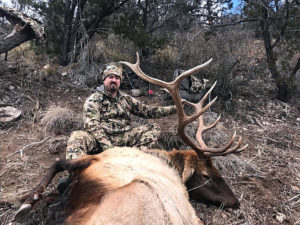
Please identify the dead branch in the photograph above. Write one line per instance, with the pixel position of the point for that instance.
(25, 28)
(26, 147)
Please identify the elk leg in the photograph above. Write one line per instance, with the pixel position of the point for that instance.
(57, 167)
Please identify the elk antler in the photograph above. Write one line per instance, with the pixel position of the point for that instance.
(183, 119)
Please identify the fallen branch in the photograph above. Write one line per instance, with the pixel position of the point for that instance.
(25, 29)
(259, 123)
(26, 147)
(11, 200)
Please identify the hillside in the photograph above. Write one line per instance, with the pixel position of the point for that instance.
(265, 177)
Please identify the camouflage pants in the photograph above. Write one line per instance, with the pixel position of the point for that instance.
(82, 143)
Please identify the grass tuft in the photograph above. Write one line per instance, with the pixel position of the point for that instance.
(60, 120)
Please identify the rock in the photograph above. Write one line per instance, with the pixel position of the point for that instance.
(9, 114)
(46, 67)
(137, 92)
(224, 215)
(58, 144)
(295, 188)
(280, 217)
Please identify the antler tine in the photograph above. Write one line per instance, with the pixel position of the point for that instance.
(227, 151)
(172, 87)
(242, 148)
(191, 71)
(208, 151)
(202, 128)
(198, 107)
(136, 68)
(202, 148)
(199, 110)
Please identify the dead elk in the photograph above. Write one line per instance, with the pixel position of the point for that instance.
(130, 186)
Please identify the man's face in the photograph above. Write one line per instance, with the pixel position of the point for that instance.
(112, 83)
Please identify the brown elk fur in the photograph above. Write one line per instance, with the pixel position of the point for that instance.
(125, 186)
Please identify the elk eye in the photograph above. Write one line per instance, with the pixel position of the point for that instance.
(206, 177)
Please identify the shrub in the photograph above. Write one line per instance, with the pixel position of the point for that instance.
(60, 120)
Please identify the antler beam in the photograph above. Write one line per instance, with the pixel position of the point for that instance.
(183, 119)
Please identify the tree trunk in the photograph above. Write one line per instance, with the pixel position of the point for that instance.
(9, 43)
(68, 30)
(25, 29)
(285, 83)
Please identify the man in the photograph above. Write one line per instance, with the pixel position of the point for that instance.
(107, 121)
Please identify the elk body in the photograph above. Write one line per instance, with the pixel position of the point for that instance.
(130, 186)
(123, 186)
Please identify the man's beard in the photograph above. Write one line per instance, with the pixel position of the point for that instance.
(113, 87)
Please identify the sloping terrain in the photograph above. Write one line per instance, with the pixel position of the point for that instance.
(265, 177)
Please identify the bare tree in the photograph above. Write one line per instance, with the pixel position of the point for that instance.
(25, 28)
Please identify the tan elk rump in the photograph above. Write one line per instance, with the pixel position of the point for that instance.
(130, 186)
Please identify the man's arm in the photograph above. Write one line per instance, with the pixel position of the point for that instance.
(92, 120)
(145, 111)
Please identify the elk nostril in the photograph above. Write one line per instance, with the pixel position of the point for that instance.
(234, 205)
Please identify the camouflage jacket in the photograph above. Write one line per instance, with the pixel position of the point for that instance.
(197, 85)
(104, 116)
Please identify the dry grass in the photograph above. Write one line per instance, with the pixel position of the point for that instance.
(113, 49)
(60, 120)
(50, 72)
(166, 57)
(265, 177)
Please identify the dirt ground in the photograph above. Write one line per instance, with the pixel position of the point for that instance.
(265, 177)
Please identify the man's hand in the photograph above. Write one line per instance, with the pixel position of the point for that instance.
(105, 144)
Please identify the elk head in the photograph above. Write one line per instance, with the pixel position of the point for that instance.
(202, 179)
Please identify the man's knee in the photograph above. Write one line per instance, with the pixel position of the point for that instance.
(79, 138)
(80, 143)
(79, 135)
(150, 137)
(154, 129)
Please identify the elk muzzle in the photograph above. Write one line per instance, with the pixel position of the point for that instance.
(207, 186)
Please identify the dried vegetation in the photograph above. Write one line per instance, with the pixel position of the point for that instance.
(60, 120)
(265, 177)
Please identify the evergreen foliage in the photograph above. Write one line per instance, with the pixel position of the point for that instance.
(279, 26)
(166, 28)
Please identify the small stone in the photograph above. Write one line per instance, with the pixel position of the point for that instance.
(47, 66)
(9, 114)
(224, 215)
(280, 217)
(295, 188)
(272, 172)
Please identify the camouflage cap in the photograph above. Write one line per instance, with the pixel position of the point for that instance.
(112, 68)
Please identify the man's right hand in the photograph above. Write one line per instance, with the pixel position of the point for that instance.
(105, 144)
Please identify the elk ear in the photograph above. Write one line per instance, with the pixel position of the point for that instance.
(187, 173)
